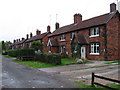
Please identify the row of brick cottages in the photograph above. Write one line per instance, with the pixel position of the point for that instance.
(97, 38)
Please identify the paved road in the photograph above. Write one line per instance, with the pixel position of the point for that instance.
(15, 75)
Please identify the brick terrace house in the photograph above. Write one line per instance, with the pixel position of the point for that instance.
(26, 43)
(97, 38)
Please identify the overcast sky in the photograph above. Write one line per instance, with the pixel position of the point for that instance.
(20, 17)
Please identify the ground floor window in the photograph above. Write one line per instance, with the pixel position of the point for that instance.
(95, 48)
(62, 48)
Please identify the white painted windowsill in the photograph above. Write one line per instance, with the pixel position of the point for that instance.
(94, 36)
(94, 53)
(62, 40)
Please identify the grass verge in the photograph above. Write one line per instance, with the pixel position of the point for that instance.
(117, 62)
(8, 56)
(80, 85)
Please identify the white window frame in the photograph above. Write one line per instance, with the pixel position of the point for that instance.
(95, 32)
(62, 38)
(61, 48)
(92, 51)
(73, 34)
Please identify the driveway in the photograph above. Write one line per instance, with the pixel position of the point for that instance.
(15, 75)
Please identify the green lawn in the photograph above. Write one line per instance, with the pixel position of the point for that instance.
(117, 62)
(8, 56)
(37, 64)
(80, 85)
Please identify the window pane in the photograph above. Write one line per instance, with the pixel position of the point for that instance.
(97, 31)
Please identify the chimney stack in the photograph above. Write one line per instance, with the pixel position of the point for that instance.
(30, 35)
(56, 25)
(48, 28)
(77, 18)
(27, 36)
(23, 38)
(14, 41)
(38, 32)
(112, 7)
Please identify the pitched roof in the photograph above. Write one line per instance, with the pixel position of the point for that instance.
(82, 39)
(37, 37)
(99, 20)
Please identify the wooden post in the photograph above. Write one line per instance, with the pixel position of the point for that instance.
(92, 83)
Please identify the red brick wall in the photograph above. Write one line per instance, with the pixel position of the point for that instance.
(112, 38)
(45, 41)
(94, 39)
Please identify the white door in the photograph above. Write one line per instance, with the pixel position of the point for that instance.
(83, 52)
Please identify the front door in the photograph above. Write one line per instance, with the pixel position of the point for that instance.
(83, 52)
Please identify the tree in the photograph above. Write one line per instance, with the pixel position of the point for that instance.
(37, 45)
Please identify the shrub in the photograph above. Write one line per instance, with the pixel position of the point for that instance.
(4, 52)
(50, 58)
(12, 53)
(64, 55)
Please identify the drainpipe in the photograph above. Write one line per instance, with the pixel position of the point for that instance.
(105, 43)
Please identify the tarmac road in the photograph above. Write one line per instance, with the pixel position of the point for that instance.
(15, 75)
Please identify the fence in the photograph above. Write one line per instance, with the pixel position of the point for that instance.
(101, 77)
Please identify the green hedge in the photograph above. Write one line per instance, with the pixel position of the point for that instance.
(4, 52)
(26, 52)
(50, 58)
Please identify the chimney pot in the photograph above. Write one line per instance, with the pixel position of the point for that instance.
(38, 32)
(27, 36)
(23, 38)
(14, 41)
(30, 35)
(112, 7)
(56, 25)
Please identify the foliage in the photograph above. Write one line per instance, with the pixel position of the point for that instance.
(49, 58)
(19, 53)
(64, 55)
(12, 53)
(3, 45)
(37, 45)
(35, 64)
(4, 52)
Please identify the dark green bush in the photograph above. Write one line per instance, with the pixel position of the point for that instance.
(12, 53)
(50, 58)
(25, 52)
(20, 53)
(4, 52)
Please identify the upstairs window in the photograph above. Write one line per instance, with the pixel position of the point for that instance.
(62, 38)
(94, 32)
(72, 35)
(95, 48)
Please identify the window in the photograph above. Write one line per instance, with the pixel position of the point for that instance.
(95, 48)
(62, 38)
(72, 35)
(94, 32)
(62, 48)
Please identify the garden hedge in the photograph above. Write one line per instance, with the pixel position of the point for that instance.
(50, 58)
(26, 52)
